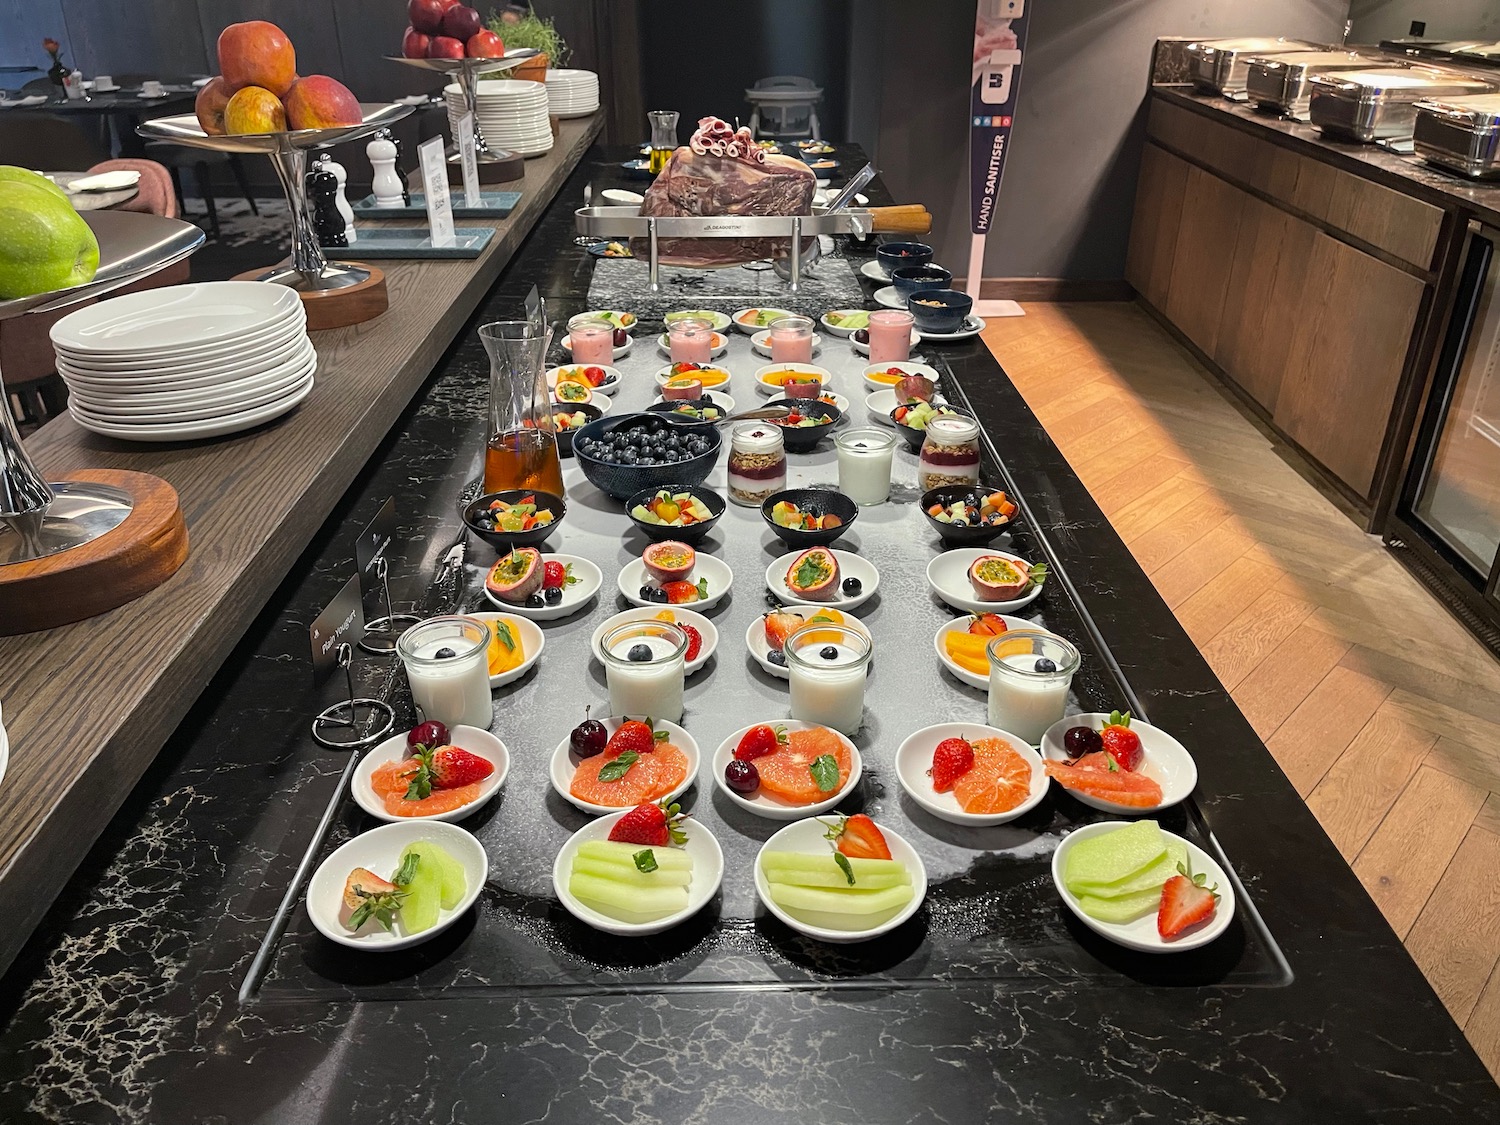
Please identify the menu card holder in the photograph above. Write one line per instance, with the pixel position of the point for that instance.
(381, 633)
(354, 723)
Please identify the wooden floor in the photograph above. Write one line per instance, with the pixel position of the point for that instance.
(1381, 710)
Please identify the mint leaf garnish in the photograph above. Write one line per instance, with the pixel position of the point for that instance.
(645, 860)
(825, 771)
(844, 866)
(408, 870)
(619, 767)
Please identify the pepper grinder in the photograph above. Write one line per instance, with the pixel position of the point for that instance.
(387, 185)
(340, 198)
(401, 175)
(322, 191)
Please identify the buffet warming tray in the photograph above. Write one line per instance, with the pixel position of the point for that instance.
(1461, 134)
(1373, 104)
(1220, 65)
(1283, 82)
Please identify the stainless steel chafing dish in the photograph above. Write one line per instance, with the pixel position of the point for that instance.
(1460, 133)
(1282, 82)
(1220, 65)
(1380, 102)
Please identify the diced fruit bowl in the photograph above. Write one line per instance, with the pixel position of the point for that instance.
(791, 792)
(566, 421)
(910, 421)
(809, 517)
(685, 512)
(614, 466)
(478, 742)
(965, 516)
(851, 922)
(705, 867)
(810, 422)
(1162, 759)
(994, 795)
(527, 517)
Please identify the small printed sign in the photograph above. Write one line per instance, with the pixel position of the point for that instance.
(374, 541)
(435, 187)
(469, 161)
(342, 622)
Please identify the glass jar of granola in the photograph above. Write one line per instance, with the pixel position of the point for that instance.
(950, 452)
(757, 462)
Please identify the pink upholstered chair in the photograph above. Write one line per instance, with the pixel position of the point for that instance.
(155, 196)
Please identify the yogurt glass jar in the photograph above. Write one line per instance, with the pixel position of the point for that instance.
(650, 685)
(592, 339)
(890, 335)
(792, 340)
(757, 462)
(690, 339)
(827, 666)
(1031, 672)
(950, 452)
(865, 458)
(447, 666)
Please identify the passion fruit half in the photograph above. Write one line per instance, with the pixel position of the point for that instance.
(669, 560)
(516, 576)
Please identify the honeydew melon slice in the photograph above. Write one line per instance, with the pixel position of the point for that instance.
(1147, 879)
(844, 901)
(628, 904)
(803, 869)
(1112, 857)
(612, 851)
(1122, 909)
(631, 876)
(450, 872)
(424, 894)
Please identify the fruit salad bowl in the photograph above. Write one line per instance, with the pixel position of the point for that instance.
(815, 502)
(566, 761)
(805, 438)
(1163, 759)
(914, 766)
(507, 540)
(967, 534)
(690, 533)
(622, 479)
(394, 749)
(914, 436)
(762, 801)
(592, 412)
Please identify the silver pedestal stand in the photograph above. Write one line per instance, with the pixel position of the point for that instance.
(468, 73)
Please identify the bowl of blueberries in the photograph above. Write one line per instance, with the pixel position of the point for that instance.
(625, 454)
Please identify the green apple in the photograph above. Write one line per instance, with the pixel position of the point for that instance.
(44, 244)
(10, 173)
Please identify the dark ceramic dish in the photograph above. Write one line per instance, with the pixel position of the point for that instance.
(949, 318)
(624, 480)
(893, 256)
(504, 541)
(913, 436)
(914, 279)
(804, 439)
(691, 533)
(670, 407)
(818, 501)
(961, 536)
(565, 437)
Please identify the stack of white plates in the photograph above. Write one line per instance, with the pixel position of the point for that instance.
(573, 93)
(186, 361)
(511, 114)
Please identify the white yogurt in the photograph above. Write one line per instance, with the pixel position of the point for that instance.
(829, 691)
(1024, 700)
(452, 691)
(865, 458)
(648, 687)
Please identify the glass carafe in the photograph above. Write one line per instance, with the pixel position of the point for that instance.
(522, 448)
(663, 137)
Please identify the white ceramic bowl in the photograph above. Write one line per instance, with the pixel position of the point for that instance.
(565, 763)
(718, 347)
(708, 873)
(590, 581)
(760, 650)
(905, 366)
(533, 640)
(948, 576)
(720, 578)
(620, 352)
(379, 850)
(665, 374)
(718, 398)
(881, 403)
(766, 388)
(574, 371)
(1141, 934)
(769, 806)
(393, 749)
(864, 349)
(850, 566)
(719, 321)
(611, 315)
(835, 330)
(752, 329)
(961, 625)
(1163, 759)
(760, 343)
(706, 629)
(914, 759)
(807, 836)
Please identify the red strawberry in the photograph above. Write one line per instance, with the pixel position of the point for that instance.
(682, 591)
(634, 735)
(990, 624)
(951, 759)
(555, 575)
(1185, 902)
(695, 642)
(656, 826)
(760, 741)
(858, 838)
(595, 376)
(453, 767)
(1120, 742)
(780, 626)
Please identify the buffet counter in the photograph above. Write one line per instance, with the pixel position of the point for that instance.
(1312, 275)
(89, 705)
(142, 999)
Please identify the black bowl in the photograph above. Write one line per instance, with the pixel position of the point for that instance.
(565, 437)
(894, 255)
(914, 279)
(622, 480)
(961, 536)
(691, 533)
(508, 540)
(805, 438)
(819, 501)
(949, 318)
(670, 406)
(913, 436)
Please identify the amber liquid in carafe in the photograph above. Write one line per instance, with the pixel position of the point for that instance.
(658, 159)
(523, 459)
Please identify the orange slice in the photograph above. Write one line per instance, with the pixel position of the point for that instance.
(785, 771)
(655, 775)
(999, 781)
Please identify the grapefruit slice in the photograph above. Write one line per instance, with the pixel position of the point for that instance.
(391, 780)
(999, 781)
(785, 772)
(654, 776)
(1119, 787)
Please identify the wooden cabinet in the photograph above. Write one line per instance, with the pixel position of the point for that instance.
(1153, 230)
(1207, 229)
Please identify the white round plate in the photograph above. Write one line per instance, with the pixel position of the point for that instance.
(393, 749)
(189, 431)
(1141, 934)
(760, 343)
(1164, 760)
(914, 759)
(807, 836)
(565, 763)
(168, 362)
(379, 850)
(620, 353)
(718, 398)
(719, 346)
(907, 366)
(533, 640)
(875, 271)
(154, 410)
(622, 198)
(706, 629)
(881, 403)
(575, 597)
(613, 315)
(850, 566)
(752, 329)
(718, 321)
(229, 360)
(574, 372)
(168, 319)
(222, 379)
(760, 649)
(835, 330)
(864, 349)
(891, 299)
(765, 804)
(633, 576)
(773, 389)
(948, 576)
(972, 326)
(708, 873)
(961, 625)
(664, 375)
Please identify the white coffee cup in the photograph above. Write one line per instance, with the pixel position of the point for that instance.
(103, 83)
(151, 88)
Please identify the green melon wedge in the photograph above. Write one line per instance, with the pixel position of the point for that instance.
(611, 851)
(1114, 856)
(424, 896)
(1125, 908)
(628, 904)
(455, 882)
(1147, 879)
(631, 876)
(847, 901)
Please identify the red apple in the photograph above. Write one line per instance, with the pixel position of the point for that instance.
(209, 106)
(426, 15)
(445, 47)
(257, 53)
(462, 22)
(485, 45)
(414, 44)
(320, 102)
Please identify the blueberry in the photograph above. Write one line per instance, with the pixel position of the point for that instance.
(828, 652)
(852, 586)
(1045, 665)
(639, 654)
(647, 590)
(552, 595)
(777, 657)
(536, 601)
(445, 654)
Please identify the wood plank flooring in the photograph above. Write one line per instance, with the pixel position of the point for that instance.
(1381, 709)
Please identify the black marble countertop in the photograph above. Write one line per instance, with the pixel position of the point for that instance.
(124, 1006)
(1410, 175)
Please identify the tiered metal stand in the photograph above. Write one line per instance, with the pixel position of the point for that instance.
(334, 294)
(74, 548)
